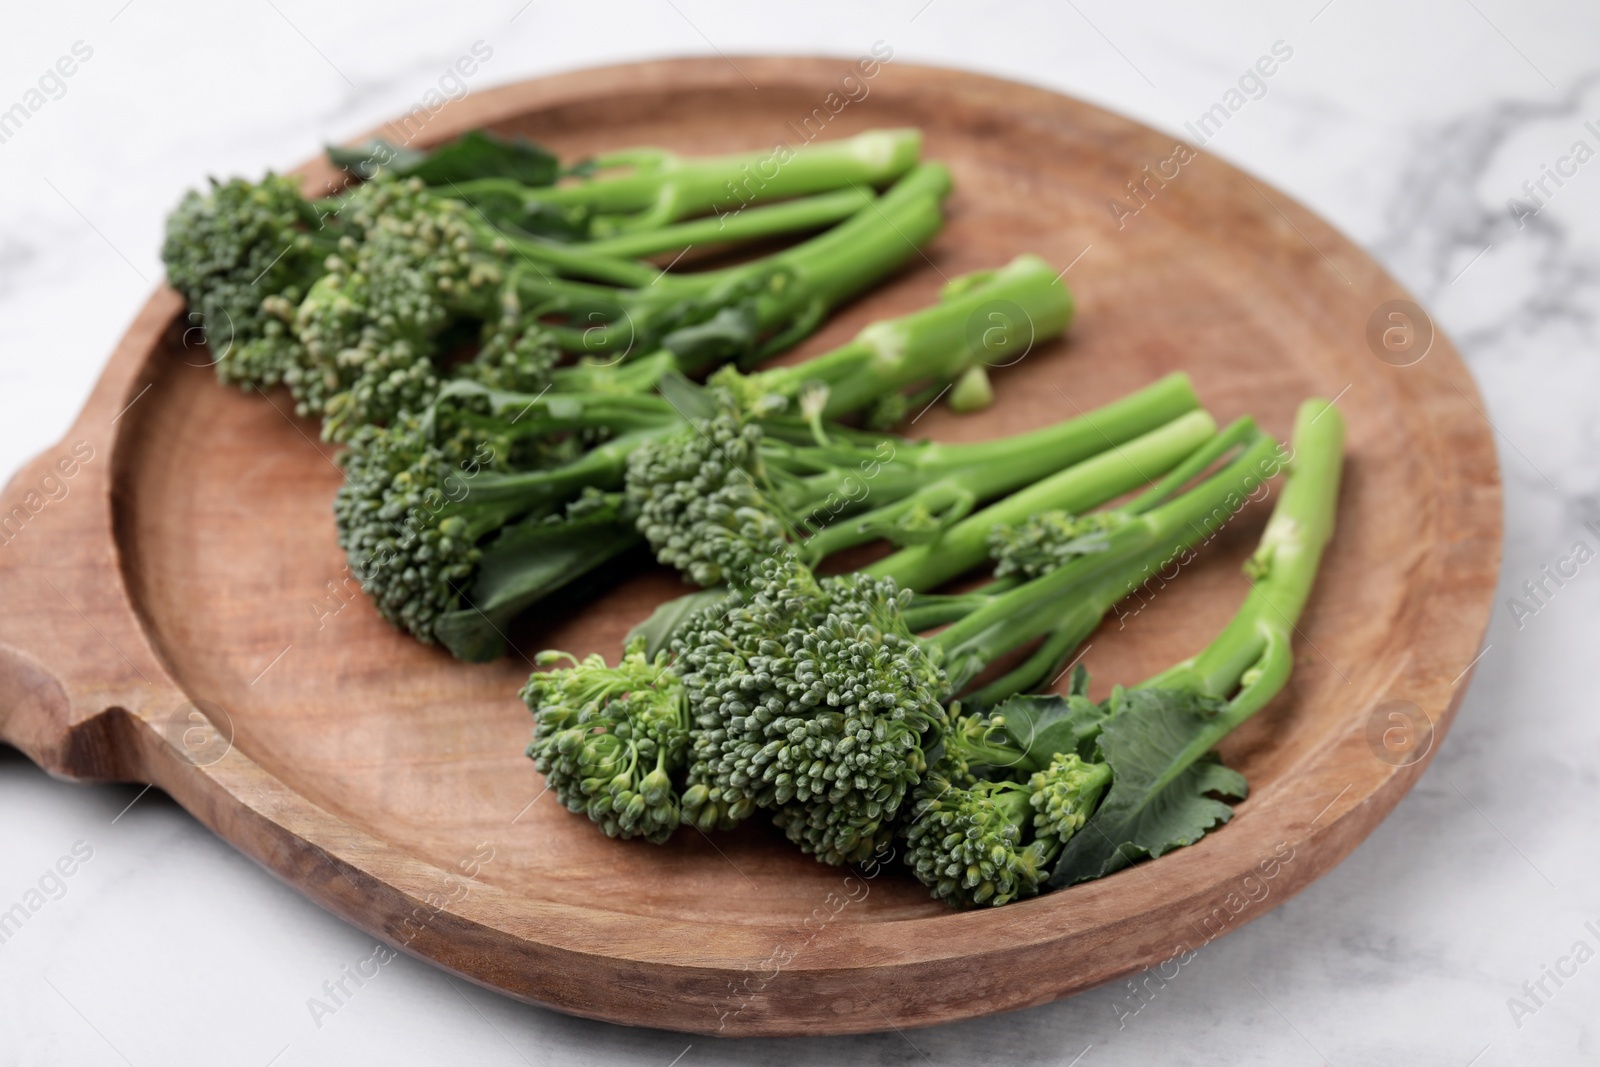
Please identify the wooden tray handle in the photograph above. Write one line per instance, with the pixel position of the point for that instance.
(76, 667)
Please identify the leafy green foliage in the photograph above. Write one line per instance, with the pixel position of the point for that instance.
(475, 154)
(1159, 800)
(1037, 727)
(532, 561)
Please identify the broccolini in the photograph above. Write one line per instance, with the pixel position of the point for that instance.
(1046, 792)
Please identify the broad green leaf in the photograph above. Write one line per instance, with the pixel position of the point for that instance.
(1160, 799)
(1042, 726)
(531, 562)
(475, 154)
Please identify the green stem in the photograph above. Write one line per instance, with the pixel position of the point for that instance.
(1240, 432)
(543, 290)
(981, 317)
(1014, 618)
(807, 213)
(988, 469)
(578, 261)
(797, 286)
(1254, 648)
(1045, 660)
(904, 203)
(517, 416)
(1075, 489)
(664, 187)
(930, 610)
(801, 285)
(545, 422)
(1253, 652)
(633, 377)
(602, 467)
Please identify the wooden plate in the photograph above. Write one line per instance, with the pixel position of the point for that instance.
(177, 612)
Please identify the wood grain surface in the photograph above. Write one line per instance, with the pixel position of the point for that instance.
(177, 611)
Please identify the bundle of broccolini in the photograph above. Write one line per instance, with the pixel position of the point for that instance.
(356, 301)
(458, 521)
(511, 374)
(812, 698)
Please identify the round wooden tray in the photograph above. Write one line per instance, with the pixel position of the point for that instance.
(181, 615)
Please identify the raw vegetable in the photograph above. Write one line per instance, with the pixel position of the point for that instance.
(646, 188)
(1045, 792)
(370, 328)
(356, 301)
(426, 511)
(814, 698)
(716, 495)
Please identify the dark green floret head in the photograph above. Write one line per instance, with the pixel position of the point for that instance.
(407, 545)
(1065, 794)
(811, 698)
(887, 412)
(609, 740)
(746, 394)
(229, 249)
(369, 325)
(518, 355)
(701, 503)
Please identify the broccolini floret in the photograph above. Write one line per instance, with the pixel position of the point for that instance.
(810, 691)
(700, 500)
(420, 496)
(517, 353)
(993, 840)
(1045, 541)
(606, 737)
(967, 842)
(234, 246)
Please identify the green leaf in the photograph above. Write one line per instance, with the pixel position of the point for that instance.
(664, 623)
(686, 398)
(1163, 793)
(367, 159)
(504, 210)
(527, 563)
(1042, 726)
(475, 154)
(719, 339)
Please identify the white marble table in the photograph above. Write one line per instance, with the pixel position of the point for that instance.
(1409, 126)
